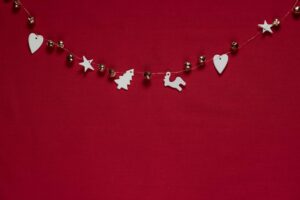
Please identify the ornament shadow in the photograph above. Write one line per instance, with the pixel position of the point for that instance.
(146, 83)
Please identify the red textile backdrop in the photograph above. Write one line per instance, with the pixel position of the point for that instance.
(66, 135)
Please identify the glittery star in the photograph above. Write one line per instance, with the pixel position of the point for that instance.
(86, 64)
(266, 27)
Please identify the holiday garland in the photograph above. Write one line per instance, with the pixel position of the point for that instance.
(220, 62)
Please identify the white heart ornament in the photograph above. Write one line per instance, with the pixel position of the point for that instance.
(35, 42)
(220, 62)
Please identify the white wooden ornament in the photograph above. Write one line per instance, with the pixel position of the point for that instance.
(124, 80)
(266, 27)
(220, 62)
(86, 64)
(176, 84)
(35, 42)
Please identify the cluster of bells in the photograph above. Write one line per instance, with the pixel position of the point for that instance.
(16, 6)
(71, 58)
(202, 59)
(147, 75)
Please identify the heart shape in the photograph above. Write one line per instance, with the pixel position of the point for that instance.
(220, 62)
(35, 42)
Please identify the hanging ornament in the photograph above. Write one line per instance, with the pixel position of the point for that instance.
(111, 73)
(147, 75)
(220, 62)
(124, 80)
(234, 47)
(17, 5)
(35, 42)
(50, 44)
(187, 66)
(87, 64)
(266, 27)
(101, 68)
(60, 44)
(70, 58)
(202, 60)
(296, 11)
(276, 23)
(31, 21)
(176, 84)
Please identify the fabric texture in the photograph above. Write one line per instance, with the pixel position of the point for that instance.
(69, 135)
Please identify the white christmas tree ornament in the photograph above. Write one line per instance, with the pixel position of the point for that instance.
(124, 80)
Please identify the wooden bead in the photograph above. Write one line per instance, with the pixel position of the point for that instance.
(234, 47)
(187, 66)
(101, 68)
(296, 10)
(147, 75)
(61, 44)
(112, 73)
(202, 60)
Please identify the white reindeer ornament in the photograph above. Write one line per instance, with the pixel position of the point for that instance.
(176, 84)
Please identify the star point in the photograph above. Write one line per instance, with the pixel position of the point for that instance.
(87, 64)
(266, 27)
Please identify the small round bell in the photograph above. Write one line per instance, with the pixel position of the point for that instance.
(112, 73)
(202, 60)
(31, 20)
(50, 44)
(147, 75)
(16, 5)
(187, 66)
(70, 58)
(101, 68)
(296, 11)
(234, 47)
(61, 44)
(276, 23)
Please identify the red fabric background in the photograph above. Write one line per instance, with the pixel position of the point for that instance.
(65, 135)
